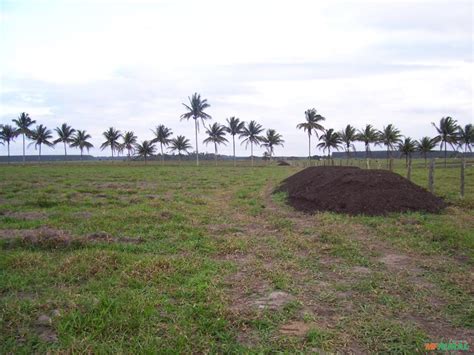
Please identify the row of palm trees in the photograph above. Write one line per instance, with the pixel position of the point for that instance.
(118, 142)
(448, 133)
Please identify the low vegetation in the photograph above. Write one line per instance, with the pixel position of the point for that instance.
(128, 257)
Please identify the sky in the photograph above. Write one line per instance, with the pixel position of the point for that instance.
(131, 65)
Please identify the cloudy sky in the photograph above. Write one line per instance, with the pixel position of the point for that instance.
(131, 64)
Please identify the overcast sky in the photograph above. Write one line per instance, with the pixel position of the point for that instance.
(130, 64)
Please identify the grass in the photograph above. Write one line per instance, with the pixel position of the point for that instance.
(203, 246)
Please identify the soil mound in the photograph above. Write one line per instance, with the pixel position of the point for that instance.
(283, 163)
(355, 191)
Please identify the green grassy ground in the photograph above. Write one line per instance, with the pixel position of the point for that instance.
(207, 260)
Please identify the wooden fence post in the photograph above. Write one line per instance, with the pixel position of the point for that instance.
(463, 167)
(431, 176)
(367, 163)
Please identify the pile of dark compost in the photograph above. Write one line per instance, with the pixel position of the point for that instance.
(356, 191)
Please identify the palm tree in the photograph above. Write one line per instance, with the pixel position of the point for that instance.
(112, 137)
(216, 134)
(251, 136)
(8, 134)
(407, 147)
(179, 144)
(162, 136)
(466, 137)
(330, 139)
(367, 135)
(348, 135)
(426, 145)
(41, 135)
(23, 122)
(146, 149)
(129, 142)
(271, 140)
(447, 134)
(390, 137)
(311, 123)
(234, 126)
(196, 109)
(79, 140)
(65, 134)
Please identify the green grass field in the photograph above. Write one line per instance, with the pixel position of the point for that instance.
(179, 259)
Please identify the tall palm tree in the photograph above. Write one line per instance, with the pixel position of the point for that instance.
(447, 134)
(234, 126)
(41, 135)
(112, 137)
(196, 109)
(23, 122)
(146, 149)
(330, 139)
(129, 142)
(426, 145)
(348, 135)
(311, 123)
(216, 134)
(367, 135)
(271, 140)
(407, 147)
(80, 140)
(179, 144)
(251, 135)
(162, 136)
(65, 134)
(8, 135)
(466, 137)
(390, 137)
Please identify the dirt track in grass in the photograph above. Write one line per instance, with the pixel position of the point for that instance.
(353, 278)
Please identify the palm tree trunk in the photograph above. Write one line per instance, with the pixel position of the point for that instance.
(348, 153)
(251, 152)
(23, 148)
(233, 146)
(112, 149)
(424, 155)
(196, 133)
(215, 152)
(445, 154)
(309, 147)
(81, 154)
(162, 156)
(39, 156)
(65, 152)
(8, 146)
(366, 150)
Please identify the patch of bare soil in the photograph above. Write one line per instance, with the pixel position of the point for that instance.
(356, 191)
(274, 300)
(44, 327)
(295, 328)
(56, 238)
(27, 216)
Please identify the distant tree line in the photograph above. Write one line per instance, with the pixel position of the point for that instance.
(448, 132)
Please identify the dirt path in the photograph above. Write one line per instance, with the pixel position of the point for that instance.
(329, 270)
